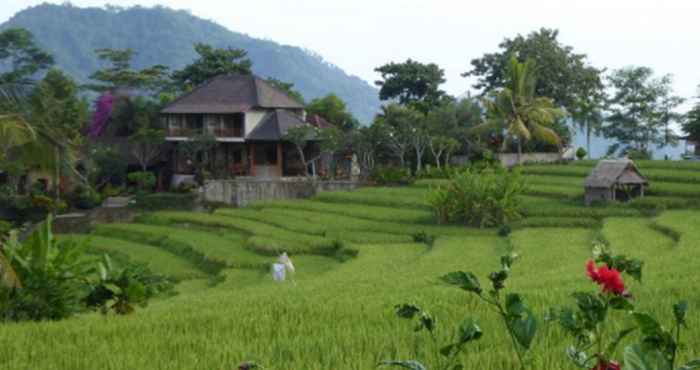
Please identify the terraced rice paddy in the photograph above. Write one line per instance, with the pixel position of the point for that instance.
(356, 259)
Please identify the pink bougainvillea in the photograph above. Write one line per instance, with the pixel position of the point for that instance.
(103, 110)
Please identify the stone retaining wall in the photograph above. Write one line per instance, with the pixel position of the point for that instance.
(243, 191)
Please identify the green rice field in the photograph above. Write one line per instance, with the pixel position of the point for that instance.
(356, 258)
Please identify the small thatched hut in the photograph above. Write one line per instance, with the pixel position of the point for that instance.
(614, 180)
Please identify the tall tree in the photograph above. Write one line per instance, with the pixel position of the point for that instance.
(212, 62)
(442, 125)
(412, 83)
(640, 108)
(517, 109)
(401, 125)
(119, 74)
(332, 109)
(20, 57)
(564, 76)
(58, 113)
(691, 124)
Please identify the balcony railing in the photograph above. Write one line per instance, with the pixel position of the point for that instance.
(218, 132)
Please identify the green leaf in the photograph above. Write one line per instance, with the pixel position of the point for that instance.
(113, 288)
(458, 367)
(692, 365)
(621, 303)
(636, 358)
(498, 279)
(514, 305)
(618, 338)
(469, 331)
(508, 260)
(647, 324)
(412, 365)
(407, 310)
(591, 306)
(427, 322)
(680, 309)
(102, 271)
(524, 329)
(465, 280)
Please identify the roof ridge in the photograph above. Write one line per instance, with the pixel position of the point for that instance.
(188, 93)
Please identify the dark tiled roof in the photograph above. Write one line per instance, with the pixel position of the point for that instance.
(231, 94)
(274, 126)
(608, 173)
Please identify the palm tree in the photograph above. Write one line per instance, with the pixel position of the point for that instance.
(516, 109)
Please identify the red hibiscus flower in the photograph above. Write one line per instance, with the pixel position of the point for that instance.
(605, 365)
(609, 279)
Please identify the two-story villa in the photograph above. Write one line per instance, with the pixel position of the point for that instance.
(249, 119)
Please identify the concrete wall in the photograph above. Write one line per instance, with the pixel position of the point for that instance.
(511, 159)
(243, 191)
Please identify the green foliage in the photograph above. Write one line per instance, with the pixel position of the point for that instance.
(564, 75)
(19, 50)
(468, 331)
(212, 62)
(120, 74)
(146, 143)
(334, 110)
(108, 168)
(519, 320)
(691, 123)
(388, 175)
(581, 153)
(517, 109)
(145, 180)
(85, 198)
(412, 83)
(641, 109)
(489, 198)
(50, 277)
(120, 290)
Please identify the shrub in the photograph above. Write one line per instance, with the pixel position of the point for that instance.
(423, 237)
(581, 153)
(385, 175)
(110, 190)
(489, 198)
(46, 278)
(119, 290)
(143, 179)
(5, 228)
(159, 201)
(86, 198)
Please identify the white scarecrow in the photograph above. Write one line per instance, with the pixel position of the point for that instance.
(281, 267)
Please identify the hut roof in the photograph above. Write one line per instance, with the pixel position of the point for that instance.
(608, 173)
(231, 94)
(275, 125)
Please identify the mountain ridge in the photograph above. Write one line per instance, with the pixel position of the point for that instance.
(161, 35)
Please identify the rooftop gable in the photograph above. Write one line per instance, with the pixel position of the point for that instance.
(610, 172)
(231, 94)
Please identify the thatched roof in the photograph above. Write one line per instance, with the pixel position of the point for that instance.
(225, 94)
(608, 173)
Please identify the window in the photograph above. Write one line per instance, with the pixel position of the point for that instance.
(233, 125)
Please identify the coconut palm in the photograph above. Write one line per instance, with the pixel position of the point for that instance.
(516, 109)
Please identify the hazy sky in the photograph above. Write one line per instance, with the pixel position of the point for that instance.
(360, 35)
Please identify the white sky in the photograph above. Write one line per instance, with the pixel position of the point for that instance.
(360, 35)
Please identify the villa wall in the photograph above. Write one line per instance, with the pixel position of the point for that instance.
(243, 191)
(252, 119)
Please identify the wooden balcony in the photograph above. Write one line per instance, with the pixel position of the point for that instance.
(222, 133)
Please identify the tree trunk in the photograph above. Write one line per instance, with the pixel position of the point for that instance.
(303, 160)
(419, 160)
(588, 139)
(57, 175)
(520, 152)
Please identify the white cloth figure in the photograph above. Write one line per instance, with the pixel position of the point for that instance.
(278, 272)
(281, 267)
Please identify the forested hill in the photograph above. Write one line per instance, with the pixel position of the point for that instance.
(165, 36)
